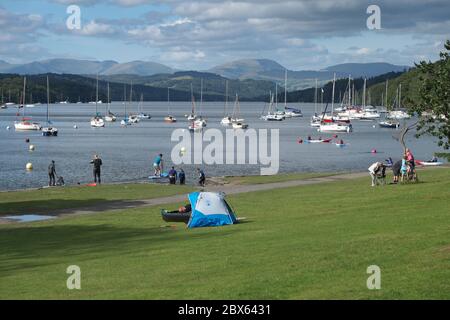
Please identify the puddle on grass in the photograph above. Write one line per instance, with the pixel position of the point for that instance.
(29, 217)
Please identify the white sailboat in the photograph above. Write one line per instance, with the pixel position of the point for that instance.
(200, 121)
(226, 120)
(288, 111)
(49, 130)
(141, 113)
(26, 123)
(271, 114)
(315, 119)
(97, 121)
(169, 118)
(333, 125)
(132, 118)
(398, 113)
(109, 116)
(125, 121)
(237, 122)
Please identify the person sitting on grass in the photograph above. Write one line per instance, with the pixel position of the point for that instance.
(172, 176)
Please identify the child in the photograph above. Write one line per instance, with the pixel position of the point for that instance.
(404, 168)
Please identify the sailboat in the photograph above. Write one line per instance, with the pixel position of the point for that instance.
(388, 123)
(133, 118)
(109, 117)
(49, 130)
(26, 123)
(315, 119)
(332, 125)
(125, 121)
(271, 115)
(397, 113)
(169, 118)
(237, 122)
(226, 120)
(97, 121)
(289, 112)
(141, 114)
(200, 121)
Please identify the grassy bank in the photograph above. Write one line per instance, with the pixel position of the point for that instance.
(277, 178)
(305, 242)
(47, 199)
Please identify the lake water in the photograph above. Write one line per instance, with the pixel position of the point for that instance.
(128, 152)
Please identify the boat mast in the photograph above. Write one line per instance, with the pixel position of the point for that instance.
(285, 89)
(276, 94)
(23, 95)
(48, 99)
(364, 94)
(125, 99)
(168, 100)
(108, 101)
(400, 96)
(96, 98)
(349, 91)
(226, 99)
(201, 96)
(386, 94)
(332, 95)
(315, 99)
(131, 93)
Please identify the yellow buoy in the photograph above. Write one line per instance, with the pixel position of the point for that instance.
(29, 166)
(31, 147)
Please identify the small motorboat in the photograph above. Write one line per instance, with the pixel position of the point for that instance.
(26, 124)
(49, 132)
(226, 121)
(428, 163)
(97, 122)
(392, 124)
(239, 125)
(133, 118)
(318, 140)
(144, 116)
(170, 119)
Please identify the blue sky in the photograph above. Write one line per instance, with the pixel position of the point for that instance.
(201, 34)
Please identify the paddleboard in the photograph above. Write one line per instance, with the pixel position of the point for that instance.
(425, 163)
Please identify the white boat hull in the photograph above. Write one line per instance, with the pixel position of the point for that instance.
(23, 126)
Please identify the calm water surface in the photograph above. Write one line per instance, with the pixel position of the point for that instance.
(127, 152)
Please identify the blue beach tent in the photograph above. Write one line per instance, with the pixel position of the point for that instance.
(209, 209)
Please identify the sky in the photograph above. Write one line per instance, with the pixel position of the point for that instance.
(198, 35)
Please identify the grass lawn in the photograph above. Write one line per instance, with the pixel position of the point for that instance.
(305, 242)
(277, 178)
(43, 200)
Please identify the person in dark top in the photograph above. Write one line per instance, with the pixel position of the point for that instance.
(173, 176)
(97, 162)
(182, 176)
(396, 167)
(201, 177)
(52, 174)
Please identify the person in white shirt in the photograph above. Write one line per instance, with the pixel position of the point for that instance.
(373, 169)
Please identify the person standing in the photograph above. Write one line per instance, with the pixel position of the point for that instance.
(158, 164)
(52, 174)
(97, 162)
(172, 176)
(182, 177)
(201, 177)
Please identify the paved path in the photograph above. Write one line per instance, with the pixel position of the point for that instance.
(228, 189)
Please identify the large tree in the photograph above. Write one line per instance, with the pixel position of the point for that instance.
(433, 106)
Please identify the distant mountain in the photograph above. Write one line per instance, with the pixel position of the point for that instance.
(367, 70)
(73, 66)
(213, 84)
(264, 69)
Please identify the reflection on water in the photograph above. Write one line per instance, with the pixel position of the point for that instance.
(128, 152)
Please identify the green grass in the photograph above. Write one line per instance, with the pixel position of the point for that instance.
(45, 200)
(310, 242)
(276, 178)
